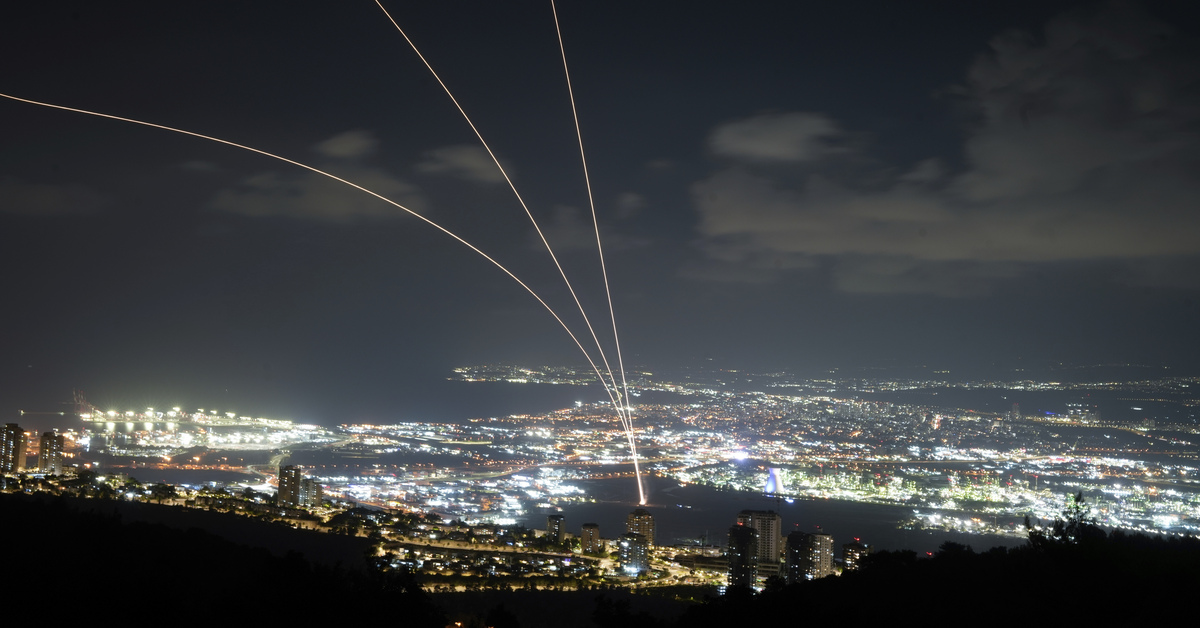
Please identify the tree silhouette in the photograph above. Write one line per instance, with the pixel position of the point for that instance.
(1075, 526)
(162, 492)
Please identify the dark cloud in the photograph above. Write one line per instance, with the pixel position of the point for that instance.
(306, 195)
(470, 163)
(1094, 96)
(348, 145)
(567, 229)
(926, 171)
(629, 204)
(794, 136)
(1084, 148)
(571, 228)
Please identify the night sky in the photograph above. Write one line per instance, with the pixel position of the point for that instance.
(958, 185)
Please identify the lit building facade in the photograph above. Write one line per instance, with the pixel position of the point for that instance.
(554, 528)
(50, 454)
(297, 490)
(743, 556)
(767, 523)
(589, 539)
(641, 522)
(633, 554)
(289, 486)
(311, 494)
(809, 556)
(12, 449)
(853, 553)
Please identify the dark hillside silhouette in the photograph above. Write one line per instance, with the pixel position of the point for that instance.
(56, 552)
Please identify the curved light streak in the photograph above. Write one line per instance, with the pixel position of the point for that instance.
(621, 400)
(346, 182)
(511, 186)
(587, 179)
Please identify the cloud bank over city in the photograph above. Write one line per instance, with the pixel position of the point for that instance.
(1079, 145)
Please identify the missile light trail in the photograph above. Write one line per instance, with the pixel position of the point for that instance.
(618, 392)
(624, 396)
(345, 182)
(511, 186)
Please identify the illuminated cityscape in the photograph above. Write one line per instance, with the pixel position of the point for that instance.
(461, 498)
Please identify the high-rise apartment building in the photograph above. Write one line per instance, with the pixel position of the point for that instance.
(633, 554)
(853, 553)
(289, 485)
(589, 539)
(297, 490)
(641, 522)
(809, 556)
(12, 449)
(554, 528)
(50, 454)
(767, 523)
(743, 556)
(311, 493)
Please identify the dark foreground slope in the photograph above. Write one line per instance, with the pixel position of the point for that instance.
(1108, 578)
(78, 560)
(65, 561)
